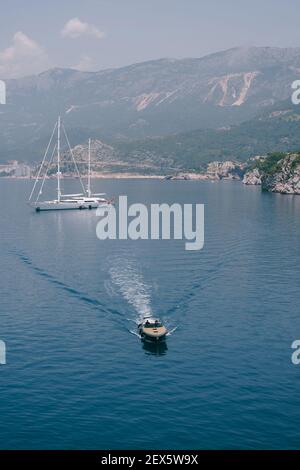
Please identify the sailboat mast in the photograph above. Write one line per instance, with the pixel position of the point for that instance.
(58, 161)
(89, 171)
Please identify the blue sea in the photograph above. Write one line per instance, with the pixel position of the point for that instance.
(78, 376)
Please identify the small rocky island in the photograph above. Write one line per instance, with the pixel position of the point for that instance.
(278, 173)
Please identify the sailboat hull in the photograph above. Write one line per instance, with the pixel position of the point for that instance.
(66, 205)
(58, 206)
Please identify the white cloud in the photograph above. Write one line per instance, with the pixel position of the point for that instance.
(75, 28)
(85, 64)
(24, 56)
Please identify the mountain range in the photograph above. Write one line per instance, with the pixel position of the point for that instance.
(189, 110)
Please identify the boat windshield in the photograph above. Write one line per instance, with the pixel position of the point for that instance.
(156, 324)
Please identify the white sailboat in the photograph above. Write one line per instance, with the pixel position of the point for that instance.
(92, 200)
(83, 200)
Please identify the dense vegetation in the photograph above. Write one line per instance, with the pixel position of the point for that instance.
(193, 150)
(271, 164)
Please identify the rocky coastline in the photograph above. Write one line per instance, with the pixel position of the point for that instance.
(277, 173)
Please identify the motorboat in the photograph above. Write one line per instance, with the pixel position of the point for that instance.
(152, 329)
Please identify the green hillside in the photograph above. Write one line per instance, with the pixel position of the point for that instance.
(278, 131)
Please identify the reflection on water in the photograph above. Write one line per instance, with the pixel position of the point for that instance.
(158, 348)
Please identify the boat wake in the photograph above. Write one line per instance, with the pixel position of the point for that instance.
(170, 332)
(130, 283)
(124, 279)
(80, 295)
(135, 333)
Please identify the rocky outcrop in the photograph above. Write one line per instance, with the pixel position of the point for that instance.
(252, 177)
(225, 170)
(284, 177)
(215, 171)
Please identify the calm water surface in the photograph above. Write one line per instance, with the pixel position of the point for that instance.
(77, 377)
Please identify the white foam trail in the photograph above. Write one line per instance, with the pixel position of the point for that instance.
(135, 333)
(130, 283)
(172, 331)
(109, 288)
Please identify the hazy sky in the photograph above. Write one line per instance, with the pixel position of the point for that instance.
(97, 34)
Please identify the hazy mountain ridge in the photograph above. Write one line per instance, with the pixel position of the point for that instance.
(153, 98)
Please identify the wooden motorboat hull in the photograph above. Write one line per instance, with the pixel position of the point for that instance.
(153, 334)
